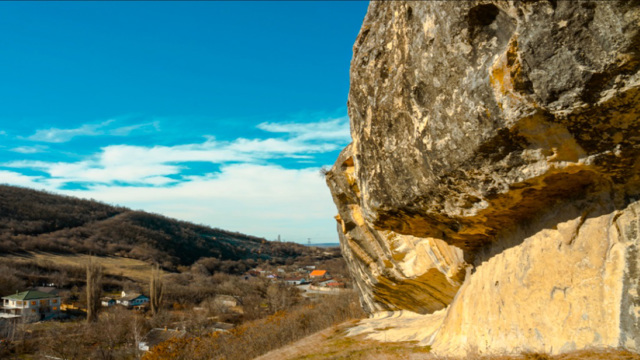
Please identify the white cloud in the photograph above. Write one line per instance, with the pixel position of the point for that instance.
(14, 178)
(55, 135)
(271, 147)
(262, 200)
(147, 165)
(248, 193)
(29, 149)
(94, 172)
(126, 130)
(335, 129)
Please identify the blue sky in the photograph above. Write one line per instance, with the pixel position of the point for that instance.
(220, 113)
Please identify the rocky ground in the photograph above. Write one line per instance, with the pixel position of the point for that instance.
(334, 343)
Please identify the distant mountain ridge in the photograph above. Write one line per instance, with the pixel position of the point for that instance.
(32, 220)
(326, 245)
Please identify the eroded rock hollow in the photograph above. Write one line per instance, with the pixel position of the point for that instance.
(494, 171)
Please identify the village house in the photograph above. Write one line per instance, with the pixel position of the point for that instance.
(226, 300)
(336, 285)
(326, 282)
(107, 302)
(132, 299)
(295, 281)
(32, 304)
(333, 283)
(222, 326)
(319, 274)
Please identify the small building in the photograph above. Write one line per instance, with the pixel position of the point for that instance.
(326, 282)
(133, 299)
(226, 300)
(336, 285)
(221, 326)
(107, 302)
(295, 281)
(319, 274)
(33, 304)
(158, 335)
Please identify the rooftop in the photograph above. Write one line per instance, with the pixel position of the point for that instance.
(131, 297)
(30, 295)
(318, 273)
(46, 289)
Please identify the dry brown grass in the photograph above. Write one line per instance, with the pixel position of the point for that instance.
(333, 344)
(113, 265)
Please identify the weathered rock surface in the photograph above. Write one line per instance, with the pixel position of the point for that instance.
(494, 171)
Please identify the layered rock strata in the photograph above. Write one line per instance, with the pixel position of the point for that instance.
(494, 171)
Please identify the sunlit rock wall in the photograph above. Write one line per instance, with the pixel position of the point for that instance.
(494, 170)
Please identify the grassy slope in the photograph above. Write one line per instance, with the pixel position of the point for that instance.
(113, 265)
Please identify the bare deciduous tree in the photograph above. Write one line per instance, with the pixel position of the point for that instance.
(94, 288)
(156, 289)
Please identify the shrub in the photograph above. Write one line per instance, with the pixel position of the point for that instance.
(257, 337)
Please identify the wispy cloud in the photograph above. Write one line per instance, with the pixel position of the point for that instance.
(14, 178)
(126, 130)
(335, 129)
(142, 165)
(55, 135)
(108, 127)
(29, 149)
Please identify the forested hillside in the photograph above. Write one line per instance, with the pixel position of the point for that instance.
(33, 220)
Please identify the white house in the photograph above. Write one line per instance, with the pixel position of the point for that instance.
(107, 302)
(130, 300)
(32, 303)
(295, 281)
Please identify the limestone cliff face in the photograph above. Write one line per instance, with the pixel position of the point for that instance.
(494, 170)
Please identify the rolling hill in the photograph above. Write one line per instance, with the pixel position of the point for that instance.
(32, 220)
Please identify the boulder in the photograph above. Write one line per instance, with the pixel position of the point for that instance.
(494, 171)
